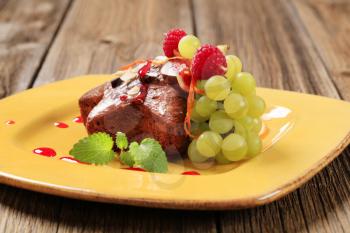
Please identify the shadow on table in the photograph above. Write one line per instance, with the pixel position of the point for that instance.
(307, 208)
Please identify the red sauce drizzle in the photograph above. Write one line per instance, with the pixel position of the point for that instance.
(123, 98)
(141, 96)
(10, 122)
(72, 160)
(186, 76)
(143, 71)
(78, 119)
(61, 125)
(191, 173)
(135, 169)
(45, 151)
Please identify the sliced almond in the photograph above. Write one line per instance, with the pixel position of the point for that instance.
(134, 91)
(223, 48)
(160, 60)
(172, 68)
(128, 76)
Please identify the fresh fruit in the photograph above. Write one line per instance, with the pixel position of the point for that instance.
(254, 144)
(200, 84)
(205, 106)
(236, 106)
(196, 117)
(239, 129)
(234, 147)
(257, 125)
(198, 128)
(184, 79)
(220, 122)
(194, 154)
(256, 106)
(217, 87)
(251, 124)
(207, 62)
(188, 46)
(171, 41)
(234, 66)
(221, 159)
(244, 83)
(209, 144)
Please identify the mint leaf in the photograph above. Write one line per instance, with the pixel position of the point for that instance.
(149, 155)
(121, 141)
(96, 149)
(126, 158)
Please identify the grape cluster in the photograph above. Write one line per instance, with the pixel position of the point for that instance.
(227, 117)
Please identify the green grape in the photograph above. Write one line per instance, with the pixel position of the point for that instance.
(244, 83)
(205, 106)
(188, 46)
(196, 117)
(257, 125)
(209, 144)
(234, 66)
(251, 124)
(236, 106)
(198, 128)
(220, 122)
(254, 144)
(193, 153)
(221, 159)
(217, 87)
(239, 129)
(200, 84)
(256, 106)
(247, 122)
(234, 147)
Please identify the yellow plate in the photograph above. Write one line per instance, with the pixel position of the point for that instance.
(305, 133)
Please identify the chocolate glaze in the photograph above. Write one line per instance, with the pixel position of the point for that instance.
(157, 113)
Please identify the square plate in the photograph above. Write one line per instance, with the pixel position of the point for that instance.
(305, 133)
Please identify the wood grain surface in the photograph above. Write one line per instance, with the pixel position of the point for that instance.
(295, 45)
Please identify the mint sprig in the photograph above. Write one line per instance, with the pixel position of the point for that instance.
(121, 141)
(148, 155)
(96, 149)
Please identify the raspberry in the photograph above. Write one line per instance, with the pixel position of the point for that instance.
(208, 61)
(171, 41)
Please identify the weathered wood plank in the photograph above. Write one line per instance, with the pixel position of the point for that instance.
(26, 30)
(97, 37)
(273, 44)
(78, 216)
(26, 211)
(328, 25)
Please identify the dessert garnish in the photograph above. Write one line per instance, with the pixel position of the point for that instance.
(98, 149)
(195, 99)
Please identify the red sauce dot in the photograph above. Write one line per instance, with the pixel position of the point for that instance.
(45, 151)
(10, 122)
(61, 125)
(72, 160)
(191, 173)
(78, 119)
(135, 169)
(123, 98)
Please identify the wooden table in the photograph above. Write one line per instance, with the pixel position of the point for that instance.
(300, 45)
